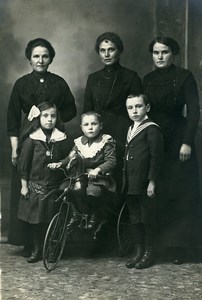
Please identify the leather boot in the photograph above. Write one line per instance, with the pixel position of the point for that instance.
(36, 254)
(93, 223)
(74, 221)
(138, 253)
(147, 259)
(138, 240)
(28, 240)
(97, 213)
(27, 250)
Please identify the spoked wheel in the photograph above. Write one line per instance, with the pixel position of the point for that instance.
(55, 238)
(124, 233)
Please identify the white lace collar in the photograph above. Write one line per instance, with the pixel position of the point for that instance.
(89, 151)
(56, 135)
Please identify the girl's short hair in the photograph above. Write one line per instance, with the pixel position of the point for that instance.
(143, 96)
(168, 41)
(109, 36)
(39, 42)
(92, 113)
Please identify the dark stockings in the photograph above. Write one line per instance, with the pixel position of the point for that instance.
(38, 234)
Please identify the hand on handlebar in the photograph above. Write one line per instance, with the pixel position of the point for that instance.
(54, 166)
(94, 173)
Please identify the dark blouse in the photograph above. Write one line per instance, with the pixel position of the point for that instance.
(108, 89)
(168, 91)
(29, 90)
(106, 92)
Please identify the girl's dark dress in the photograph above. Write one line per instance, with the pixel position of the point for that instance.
(33, 163)
(168, 91)
(29, 90)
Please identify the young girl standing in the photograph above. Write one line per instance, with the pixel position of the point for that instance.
(98, 151)
(42, 144)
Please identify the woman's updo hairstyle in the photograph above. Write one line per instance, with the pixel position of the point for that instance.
(39, 42)
(168, 41)
(109, 36)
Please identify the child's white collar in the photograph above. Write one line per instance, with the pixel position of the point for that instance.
(97, 145)
(56, 135)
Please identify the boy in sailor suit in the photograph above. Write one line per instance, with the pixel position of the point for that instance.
(142, 166)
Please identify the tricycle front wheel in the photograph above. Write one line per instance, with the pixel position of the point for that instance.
(55, 238)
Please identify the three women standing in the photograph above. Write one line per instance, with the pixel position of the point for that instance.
(29, 90)
(169, 89)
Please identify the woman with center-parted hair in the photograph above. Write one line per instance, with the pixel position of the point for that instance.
(106, 92)
(32, 89)
(169, 88)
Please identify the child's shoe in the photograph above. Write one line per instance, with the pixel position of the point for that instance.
(93, 222)
(74, 222)
(137, 256)
(147, 259)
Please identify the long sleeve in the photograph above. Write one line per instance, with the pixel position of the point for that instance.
(156, 149)
(28, 91)
(109, 157)
(88, 96)
(25, 158)
(193, 110)
(168, 91)
(67, 106)
(14, 112)
(110, 95)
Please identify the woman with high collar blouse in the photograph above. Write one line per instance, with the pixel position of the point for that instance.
(169, 88)
(32, 89)
(107, 89)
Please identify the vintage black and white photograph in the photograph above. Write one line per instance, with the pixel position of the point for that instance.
(101, 149)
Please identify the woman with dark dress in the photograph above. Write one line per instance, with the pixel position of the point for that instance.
(170, 89)
(106, 92)
(29, 90)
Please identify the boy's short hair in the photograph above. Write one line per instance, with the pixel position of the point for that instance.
(92, 113)
(143, 96)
